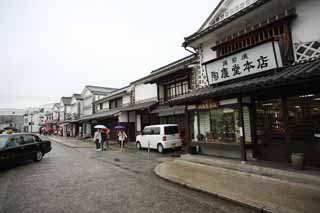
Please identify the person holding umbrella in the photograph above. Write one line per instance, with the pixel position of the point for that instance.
(103, 138)
(98, 137)
(122, 136)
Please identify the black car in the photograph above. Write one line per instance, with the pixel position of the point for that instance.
(22, 146)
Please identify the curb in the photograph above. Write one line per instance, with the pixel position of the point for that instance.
(237, 202)
(285, 178)
(66, 144)
(59, 142)
(279, 180)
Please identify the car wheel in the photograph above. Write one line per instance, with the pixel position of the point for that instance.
(138, 145)
(160, 148)
(39, 156)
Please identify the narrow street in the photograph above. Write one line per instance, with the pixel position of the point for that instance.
(83, 180)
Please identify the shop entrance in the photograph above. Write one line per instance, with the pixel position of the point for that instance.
(288, 125)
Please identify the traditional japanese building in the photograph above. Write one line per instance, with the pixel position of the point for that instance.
(129, 107)
(175, 80)
(90, 94)
(260, 75)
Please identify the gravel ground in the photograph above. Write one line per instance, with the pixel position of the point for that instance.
(83, 180)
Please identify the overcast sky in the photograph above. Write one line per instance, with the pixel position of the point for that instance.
(53, 48)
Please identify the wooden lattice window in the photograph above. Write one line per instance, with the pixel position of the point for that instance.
(277, 30)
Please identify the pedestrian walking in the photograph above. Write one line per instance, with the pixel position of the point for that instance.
(107, 137)
(97, 139)
(103, 139)
(122, 136)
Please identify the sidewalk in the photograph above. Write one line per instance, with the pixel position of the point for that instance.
(251, 185)
(71, 142)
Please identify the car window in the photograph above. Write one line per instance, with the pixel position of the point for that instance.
(14, 141)
(155, 130)
(171, 130)
(36, 138)
(28, 139)
(3, 140)
(147, 131)
(18, 139)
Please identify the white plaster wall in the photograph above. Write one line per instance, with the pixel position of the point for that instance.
(68, 109)
(195, 127)
(306, 27)
(161, 91)
(87, 102)
(123, 117)
(74, 108)
(106, 105)
(138, 122)
(81, 107)
(126, 99)
(207, 53)
(145, 92)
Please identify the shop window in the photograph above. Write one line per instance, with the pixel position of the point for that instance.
(269, 121)
(220, 126)
(304, 118)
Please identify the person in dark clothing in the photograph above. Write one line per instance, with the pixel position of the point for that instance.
(103, 139)
(97, 138)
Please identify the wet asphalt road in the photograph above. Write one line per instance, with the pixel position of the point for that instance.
(83, 180)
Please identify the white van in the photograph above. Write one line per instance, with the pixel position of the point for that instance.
(161, 137)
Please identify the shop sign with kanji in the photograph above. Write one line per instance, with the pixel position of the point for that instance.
(248, 62)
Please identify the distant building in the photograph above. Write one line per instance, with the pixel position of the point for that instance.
(90, 94)
(11, 118)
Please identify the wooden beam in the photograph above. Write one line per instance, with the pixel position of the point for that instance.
(242, 132)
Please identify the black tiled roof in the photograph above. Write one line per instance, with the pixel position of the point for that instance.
(171, 68)
(97, 90)
(138, 106)
(290, 75)
(104, 114)
(66, 100)
(78, 96)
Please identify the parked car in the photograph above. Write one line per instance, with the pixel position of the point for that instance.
(22, 146)
(161, 137)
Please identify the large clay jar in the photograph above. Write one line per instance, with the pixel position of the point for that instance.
(297, 160)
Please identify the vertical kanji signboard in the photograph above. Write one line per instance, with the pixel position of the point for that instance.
(257, 59)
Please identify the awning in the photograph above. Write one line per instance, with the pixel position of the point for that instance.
(292, 75)
(138, 106)
(105, 114)
(167, 110)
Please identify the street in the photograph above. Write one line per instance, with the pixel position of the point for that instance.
(83, 180)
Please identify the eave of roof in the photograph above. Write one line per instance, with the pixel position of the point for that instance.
(171, 68)
(212, 28)
(138, 106)
(308, 70)
(105, 114)
(115, 94)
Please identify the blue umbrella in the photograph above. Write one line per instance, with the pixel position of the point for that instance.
(119, 127)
